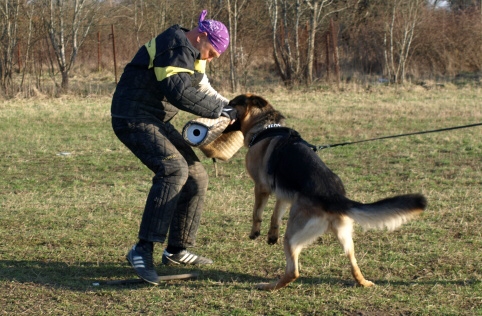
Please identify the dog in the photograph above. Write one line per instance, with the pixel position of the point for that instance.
(281, 163)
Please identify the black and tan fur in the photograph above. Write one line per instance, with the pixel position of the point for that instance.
(293, 172)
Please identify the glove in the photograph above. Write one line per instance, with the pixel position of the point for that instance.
(229, 112)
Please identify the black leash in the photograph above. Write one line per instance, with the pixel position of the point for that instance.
(399, 135)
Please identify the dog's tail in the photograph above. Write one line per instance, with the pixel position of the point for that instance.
(388, 213)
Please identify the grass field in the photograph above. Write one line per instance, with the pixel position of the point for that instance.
(71, 199)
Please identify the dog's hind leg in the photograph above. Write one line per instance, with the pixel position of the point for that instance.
(260, 200)
(301, 230)
(279, 210)
(343, 229)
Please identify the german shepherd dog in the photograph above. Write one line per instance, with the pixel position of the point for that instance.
(280, 162)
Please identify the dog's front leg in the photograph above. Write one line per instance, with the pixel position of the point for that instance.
(279, 210)
(260, 200)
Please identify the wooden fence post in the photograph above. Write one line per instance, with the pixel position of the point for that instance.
(113, 50)
(327, 56)
(98, 51)
(19, 58)
(335, 52)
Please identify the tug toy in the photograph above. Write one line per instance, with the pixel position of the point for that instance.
(210, 137)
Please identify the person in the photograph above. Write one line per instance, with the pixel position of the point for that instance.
(167, 75)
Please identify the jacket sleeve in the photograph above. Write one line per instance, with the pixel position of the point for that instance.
(177, 81)
(180, 92)
(205, 86)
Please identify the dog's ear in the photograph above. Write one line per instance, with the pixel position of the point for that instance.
(241, 99)
(258, 101)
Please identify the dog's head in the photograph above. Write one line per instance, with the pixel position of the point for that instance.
(253, 110)
(245, 100)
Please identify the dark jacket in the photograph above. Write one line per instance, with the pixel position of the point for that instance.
(164, 69)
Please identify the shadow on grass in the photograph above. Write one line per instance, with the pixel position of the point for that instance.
(81, 276)
(351, 283)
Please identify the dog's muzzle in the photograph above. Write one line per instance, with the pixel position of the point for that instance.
(207, 135)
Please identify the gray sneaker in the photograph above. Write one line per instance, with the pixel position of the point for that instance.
(142, 262)
(184, 257)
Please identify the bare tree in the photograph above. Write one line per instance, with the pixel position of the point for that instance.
(29, 12)
(316, 8)
(294, 53)
(375, 37)
(148, 17)
(285, 35)
(68, 23)
(9, 11)
(399, 35)
(235, 8)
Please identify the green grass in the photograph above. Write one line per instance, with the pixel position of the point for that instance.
(71, 198)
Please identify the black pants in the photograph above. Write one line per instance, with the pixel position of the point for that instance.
(176, 198)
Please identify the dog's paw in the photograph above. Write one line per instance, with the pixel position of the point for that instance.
(272, 240)
(273, 234)
(254, 235)
(367, 283)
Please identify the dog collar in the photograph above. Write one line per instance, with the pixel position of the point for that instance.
(270, 130)
(273, 125)
(274, 130)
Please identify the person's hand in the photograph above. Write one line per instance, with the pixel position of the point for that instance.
(229, 112)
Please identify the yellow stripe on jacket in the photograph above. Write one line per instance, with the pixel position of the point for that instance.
(164, 72)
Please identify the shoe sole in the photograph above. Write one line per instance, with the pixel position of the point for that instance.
(140, 276)
(186, 276)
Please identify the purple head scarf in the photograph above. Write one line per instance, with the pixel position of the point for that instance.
(218, 34)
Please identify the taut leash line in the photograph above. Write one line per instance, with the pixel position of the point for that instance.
(399, 135)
